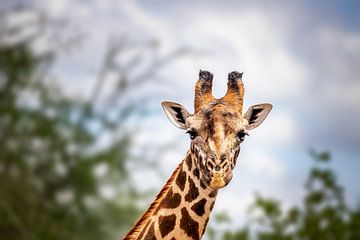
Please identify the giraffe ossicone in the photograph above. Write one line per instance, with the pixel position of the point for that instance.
(217, 128)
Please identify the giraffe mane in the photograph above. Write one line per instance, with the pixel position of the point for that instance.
(142, 222)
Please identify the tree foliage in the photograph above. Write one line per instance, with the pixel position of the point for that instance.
(50, 155)
(48, 187)
(324, 213)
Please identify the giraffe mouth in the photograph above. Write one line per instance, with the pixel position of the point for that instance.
(217, 180)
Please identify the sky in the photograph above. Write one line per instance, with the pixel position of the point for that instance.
(301, 56)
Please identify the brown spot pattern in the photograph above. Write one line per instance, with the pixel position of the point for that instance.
(235, 158)
(206, 222)
(171, 200)
(181, 180)
(189, 162)
(196, 173)
(227, 129)
(193, 191)
(196, 152)
(213, 194)
(151, 233)
(200, 159)
(166, 224)
(190, 227)
(199, 207)
(210, 122)
(192, 147)
(202, 184)
(212, 206)
(154, 207)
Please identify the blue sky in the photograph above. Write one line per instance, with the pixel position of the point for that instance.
(302, 56)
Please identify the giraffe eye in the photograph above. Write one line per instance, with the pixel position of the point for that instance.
(193, 134)
(241, 135)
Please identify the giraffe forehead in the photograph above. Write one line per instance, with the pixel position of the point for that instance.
(220, 121)
(217, 120)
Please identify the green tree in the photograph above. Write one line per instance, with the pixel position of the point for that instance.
(323, 215)
(47, 186)
(49, 150)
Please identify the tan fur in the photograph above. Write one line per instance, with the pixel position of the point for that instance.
(235, 97)
(202, 97)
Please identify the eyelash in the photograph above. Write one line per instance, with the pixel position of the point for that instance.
(241, 135)
(193, 134)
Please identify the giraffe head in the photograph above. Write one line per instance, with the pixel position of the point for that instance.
(218, 127)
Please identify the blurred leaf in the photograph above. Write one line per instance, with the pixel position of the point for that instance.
(222, 217)
(50, 150)
(324, 214)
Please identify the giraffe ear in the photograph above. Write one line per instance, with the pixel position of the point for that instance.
(176, 113)
(256, 114)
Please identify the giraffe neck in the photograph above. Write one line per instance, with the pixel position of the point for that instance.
(182, 208)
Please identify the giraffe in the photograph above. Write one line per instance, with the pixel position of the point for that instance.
(217, 128)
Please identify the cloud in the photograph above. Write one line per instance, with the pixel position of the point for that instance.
(261, 164)
(339, 50)
(334, 97)
(279, 129)
(247, 40)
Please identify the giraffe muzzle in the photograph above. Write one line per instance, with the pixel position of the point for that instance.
(217, 180)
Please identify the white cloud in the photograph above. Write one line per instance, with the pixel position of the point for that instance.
(340, 53)
(261, 164)
(279, 128)
(335, 92)
(340, 58)
(244, 40)
(347, 95)
(148, 24)
(247, 40)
